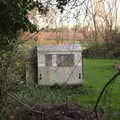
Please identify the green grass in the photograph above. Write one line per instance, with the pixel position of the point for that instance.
(96, 73)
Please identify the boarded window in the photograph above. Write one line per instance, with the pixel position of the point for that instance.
(48, 60)
(65, 60)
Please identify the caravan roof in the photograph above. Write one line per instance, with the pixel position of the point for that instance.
(64, 47)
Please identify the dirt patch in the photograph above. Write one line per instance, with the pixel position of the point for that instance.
(56, 112)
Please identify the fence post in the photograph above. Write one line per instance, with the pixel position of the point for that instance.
(31, 67)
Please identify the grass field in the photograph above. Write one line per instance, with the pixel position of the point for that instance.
(96, 73)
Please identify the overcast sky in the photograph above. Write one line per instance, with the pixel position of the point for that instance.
(78, 13)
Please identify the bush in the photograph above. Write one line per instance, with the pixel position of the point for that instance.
(12, 74)
(102, 51)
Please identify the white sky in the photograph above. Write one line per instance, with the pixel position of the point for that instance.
(76, 15)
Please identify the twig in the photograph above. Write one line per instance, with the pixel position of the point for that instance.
(25, 105)
(104, 88)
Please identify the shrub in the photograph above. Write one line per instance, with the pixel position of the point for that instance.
(12, 73)
(107, 50)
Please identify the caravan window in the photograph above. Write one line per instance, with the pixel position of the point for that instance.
(65, 60)
(48, 59)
